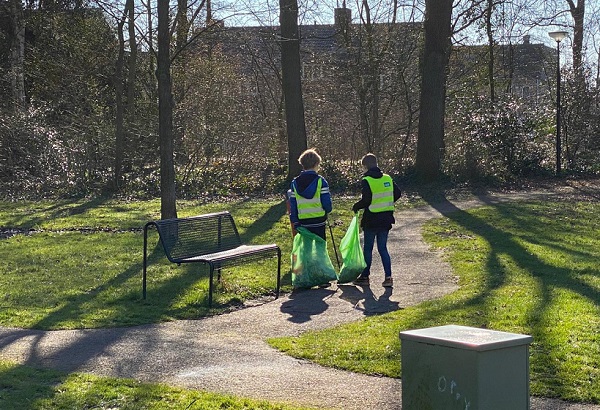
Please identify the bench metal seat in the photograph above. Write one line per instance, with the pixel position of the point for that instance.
(212, 239)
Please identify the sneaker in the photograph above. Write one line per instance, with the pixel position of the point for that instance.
(388, 282)
(361, 281)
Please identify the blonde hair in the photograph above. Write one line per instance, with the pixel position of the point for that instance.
(309, 159)
(369, 161)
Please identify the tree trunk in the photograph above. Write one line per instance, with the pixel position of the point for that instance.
(18, 55)
(165, 114)
(150, 39)
(292, 85)
(182, 25)
(119, 106)
(124, 110)
(132, 60)
(576, 123)
(434, 66)
(490, 36)
(578, 15)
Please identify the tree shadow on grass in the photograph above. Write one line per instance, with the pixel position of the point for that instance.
(74, 350)
(162, 296)
(78, 347)
(129, 307)
(23, 386)
(264, 223)
(473, 305)
(55, 210)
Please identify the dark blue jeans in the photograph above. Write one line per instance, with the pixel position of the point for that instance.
(369, 241)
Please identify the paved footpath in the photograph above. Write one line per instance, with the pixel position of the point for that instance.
(228, 353)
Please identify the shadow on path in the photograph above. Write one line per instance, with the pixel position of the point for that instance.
(363, 298)
(300, 309)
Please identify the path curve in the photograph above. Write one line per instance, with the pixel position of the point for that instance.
(228, 353)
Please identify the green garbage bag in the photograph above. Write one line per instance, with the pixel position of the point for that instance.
(352, 253)
(311, 265)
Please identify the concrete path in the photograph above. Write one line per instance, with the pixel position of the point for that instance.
(228, 353)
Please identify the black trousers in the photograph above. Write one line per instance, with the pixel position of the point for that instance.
(317, 230)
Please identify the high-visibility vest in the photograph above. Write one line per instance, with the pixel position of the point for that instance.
(310, 207)
(383, 193)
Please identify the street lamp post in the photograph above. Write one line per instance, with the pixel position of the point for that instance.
(558, 36)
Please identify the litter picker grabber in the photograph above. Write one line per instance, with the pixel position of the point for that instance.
(337, 258)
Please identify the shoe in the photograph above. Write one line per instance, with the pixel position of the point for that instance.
(325, 285)
(388, 282)
(361, 281)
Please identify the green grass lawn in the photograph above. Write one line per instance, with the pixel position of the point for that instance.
(529, 268)
(25, 388)
(82, 268)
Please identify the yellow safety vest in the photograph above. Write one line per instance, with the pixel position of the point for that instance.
(383, 193)
(310, 207)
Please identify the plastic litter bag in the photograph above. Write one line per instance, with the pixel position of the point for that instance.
(352, 253)
(311, 265)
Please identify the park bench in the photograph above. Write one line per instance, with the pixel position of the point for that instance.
(212, 239)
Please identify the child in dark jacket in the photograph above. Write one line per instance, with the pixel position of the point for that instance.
(310, 201)
(379, 192)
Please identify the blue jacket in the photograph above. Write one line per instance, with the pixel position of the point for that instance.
(306, 185)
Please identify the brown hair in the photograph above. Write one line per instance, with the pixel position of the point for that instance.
(309, 159)
(369, 161)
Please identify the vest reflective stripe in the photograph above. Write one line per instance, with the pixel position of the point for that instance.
(310, 207)
(383, 193)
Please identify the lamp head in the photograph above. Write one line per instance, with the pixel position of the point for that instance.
(558, 36)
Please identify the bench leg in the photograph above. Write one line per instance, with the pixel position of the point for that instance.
(145, 263)
(278, 273)
(144, 271)
(210, 284)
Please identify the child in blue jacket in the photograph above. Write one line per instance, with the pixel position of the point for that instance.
(310, 201)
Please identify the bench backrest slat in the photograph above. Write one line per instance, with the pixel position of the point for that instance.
(196, 236)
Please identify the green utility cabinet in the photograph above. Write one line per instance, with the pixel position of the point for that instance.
(458, 367)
